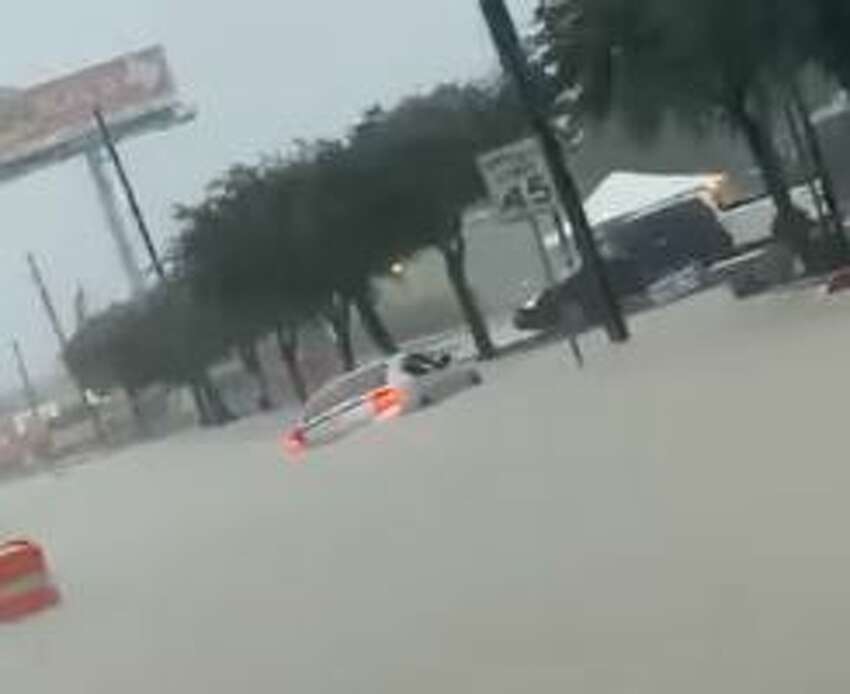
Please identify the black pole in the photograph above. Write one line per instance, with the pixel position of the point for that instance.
(808, 168)
(821, 169)
(132, 200)
(26, 381)
(62, 339)
(516, 64)
(206, 416)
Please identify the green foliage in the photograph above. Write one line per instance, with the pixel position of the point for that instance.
(235, 252)
(105, 353)
(163, 337)
(276, 243)
(182, 337)
(653, 57)
(290, 236)
(706, 62)
(826, 41)
(416, 164)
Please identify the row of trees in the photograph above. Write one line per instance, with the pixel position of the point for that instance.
(709, 63)
(165, 338)
(303, 237)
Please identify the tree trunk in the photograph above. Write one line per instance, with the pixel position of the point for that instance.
(136, 410)
(202, 407)
(822, 171)
(373, 323)
(217, 408)
(767, 158)
(791, 225)
(250, 357)
(454, 254)
(287, 342)
(338, 315)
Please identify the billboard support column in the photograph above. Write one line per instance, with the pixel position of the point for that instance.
(115, 222)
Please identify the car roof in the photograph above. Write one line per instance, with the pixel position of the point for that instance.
(390, 362)
(339, 382)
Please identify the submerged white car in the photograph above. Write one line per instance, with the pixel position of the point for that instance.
(378, 392)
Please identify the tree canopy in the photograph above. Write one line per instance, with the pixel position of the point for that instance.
(304, 235)
(706, 62)
(291, 236)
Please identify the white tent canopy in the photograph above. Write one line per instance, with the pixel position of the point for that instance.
(624, 194)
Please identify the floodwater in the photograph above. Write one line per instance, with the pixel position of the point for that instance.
(671, 519)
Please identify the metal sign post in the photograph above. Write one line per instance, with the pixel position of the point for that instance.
(515, 177)
(519, 186)
(516, 64)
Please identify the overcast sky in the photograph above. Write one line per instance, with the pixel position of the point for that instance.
(261, 72)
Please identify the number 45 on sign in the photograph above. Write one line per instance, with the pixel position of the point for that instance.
(517, 180)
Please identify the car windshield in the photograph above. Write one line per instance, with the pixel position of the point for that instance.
(346, 389)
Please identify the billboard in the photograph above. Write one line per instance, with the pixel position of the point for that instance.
(53, 120)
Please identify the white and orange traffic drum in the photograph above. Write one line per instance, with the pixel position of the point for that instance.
(25, 584)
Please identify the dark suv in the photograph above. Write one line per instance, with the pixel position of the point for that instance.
(637, 250)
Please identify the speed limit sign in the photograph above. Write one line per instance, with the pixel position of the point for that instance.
(517, 179)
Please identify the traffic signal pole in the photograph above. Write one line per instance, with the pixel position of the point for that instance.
(516, 64)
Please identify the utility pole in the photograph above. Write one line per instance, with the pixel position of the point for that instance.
(804, 157)
(821, 169)
(62, 339)
(132, 200)
(47, 302)
(516, 64)
(211, 408)
(26, 381)
(114, 220)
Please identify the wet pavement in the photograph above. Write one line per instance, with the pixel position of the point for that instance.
(670, 519)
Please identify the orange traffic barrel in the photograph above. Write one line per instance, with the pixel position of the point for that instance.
(25, 584)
